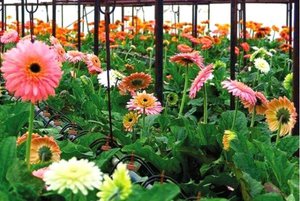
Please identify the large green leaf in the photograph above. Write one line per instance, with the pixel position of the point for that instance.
(69, 150)
(227, 119)
(105, 157)
(269, 197)
(289, 145)
(8, 154)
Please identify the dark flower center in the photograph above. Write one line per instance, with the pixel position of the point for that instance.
(187, 61)
(130, 119)
(45, 154)
(137, 82)
(145, 100)
(258, 102)
(35, 68)
(284, 115)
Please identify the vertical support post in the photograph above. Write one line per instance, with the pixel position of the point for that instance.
(17, 18)
(208, 15)
(290, 26)
(194, 23)
(122, 17)
(62, 15)
(5, 16)
(296, 66)
(83, 14)
(79, 26)
(233, 41)
(54, 18)
(244, 28)
(23, 17)
(47, 12)
(159, 49)
(132, 18)
(2, 16)
(96, 27)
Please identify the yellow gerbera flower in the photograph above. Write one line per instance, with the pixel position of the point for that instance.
(130, 120)
(227, 138)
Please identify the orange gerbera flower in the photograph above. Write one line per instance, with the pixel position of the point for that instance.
(260, 105)
(134, 82)
(23, 138)
(44, 149)
(130, 120)
(281, 114)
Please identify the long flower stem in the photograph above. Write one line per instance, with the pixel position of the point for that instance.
(184, 92)
(278, 132)
(143, 130)
(205, 113)
(150, 61)
(253, 117)
(235, 113)
(30, 130)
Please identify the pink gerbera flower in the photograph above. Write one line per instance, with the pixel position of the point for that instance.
(74, 56)
(144, 103)
(204, 75)
(10, 37)
(240, 90)
(93, 64)
(188, 58)
(31, 71)
(60, 52)
(54, 41)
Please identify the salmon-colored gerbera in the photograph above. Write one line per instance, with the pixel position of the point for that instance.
(144, 103)
(134, 82)
(184, 48)
(75, 56)
(10, 37)
(281, 114)
(23, 138)
(260, 105)
(186, 59)
(44, 149)
(60, 52)
(31, 71)
(93, 64)
(204, 75)
(240, 90)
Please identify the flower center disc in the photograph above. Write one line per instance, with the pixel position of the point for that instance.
(35, 68)
(284, 114)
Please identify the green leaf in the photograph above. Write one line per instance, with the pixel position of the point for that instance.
(289, 145)
(105, 157)
(69, 150)
(245, 162)
(269, 197)
(227, 119)
(255, 187)
(8, 153)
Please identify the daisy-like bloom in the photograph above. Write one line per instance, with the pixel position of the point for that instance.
(23, 138)
(281, 111)
(129, 120)
(134, 82)
(288, 82)
(119, 187)
(114, 78)
(262, 65)
(184, 48)
(172, 99)
(259, 53)
(44, 149)
(261, 104)
(75, 56)
(186, 59)
(227, 138)
(93, 64)
(60, 53)
(144, 103)
(204, 75)
(10, 37)
(240, 90)
(32, 75)
(76, 175)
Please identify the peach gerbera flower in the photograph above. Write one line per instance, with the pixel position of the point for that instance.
(93, 64)
(204, 75)
(240, 90)
(186, 59)
(281, 114)
(144, 103)
(10, 37)
(60, 52)
(74, 56)
(184, 48)
(23, 138)
(32, 75)
(134, 82)
(260, 105)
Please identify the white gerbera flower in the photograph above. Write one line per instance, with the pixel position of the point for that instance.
(76, 175)
(114, 77)
(262, 65)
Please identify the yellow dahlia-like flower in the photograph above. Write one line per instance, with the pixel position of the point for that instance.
(117, 188)
(227, 138)
(76, 175)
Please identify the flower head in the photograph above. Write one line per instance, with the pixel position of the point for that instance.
(262, 65)
(32, 75)
(172, 99)
(260, 105)
(119, 186)
(23, 138)
(129, 120)
(288, 82)
(60, 52)
(184, 48)
(281, 111)
(186, 59)
(75, 56)
(240, 90)
(114, 77)
(93, 64)
(76, 175)
(245, 46)
(144, 103)
(134, 82)
(227, 138)
(203, 75)
(10, 37)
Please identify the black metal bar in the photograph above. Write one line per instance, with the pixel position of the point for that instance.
(208, 16)
(122, 18)
(290, 26)
(54, 18)
(296, 66)
(243, 7)
(86, 19)
(47, 12)
(96, 27)
(194, 23)
(17, 19)
(23, 17)
(132, 18)
(79, 26)
(233, 41)
(287, 15)
(159, 17)
(5, 16)
(2, 15)
(31, 12)
(83, 13)
(62, 15)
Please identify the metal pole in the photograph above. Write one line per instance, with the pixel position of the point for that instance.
(290, 26)
(54, 18)
(296, 66)
(159, 49)
(233, 41)
(194, 23)
(23, 17)
(96, 27)
(208, 16)
(2, 15)
(244, 29)
(62, 15)
(47, 12)
(17, 18)
(79, 25)
(5, 18)
(122, 17)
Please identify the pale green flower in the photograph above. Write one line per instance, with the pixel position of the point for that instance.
(261, 52)
(288, 82)
(219, 64)
(119, 187)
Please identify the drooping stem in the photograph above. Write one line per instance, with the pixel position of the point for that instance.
(235, 113)
(253, 116)
(29, 134)
(278, 132)
(184, 91)
(205, 112)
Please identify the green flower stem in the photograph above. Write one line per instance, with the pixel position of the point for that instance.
(278, 132)
(235, 113)
(150, 61)
(253, 116)
(184, 91)
(30, 130)
(165, 56)
(143, 130)
(205, 115)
